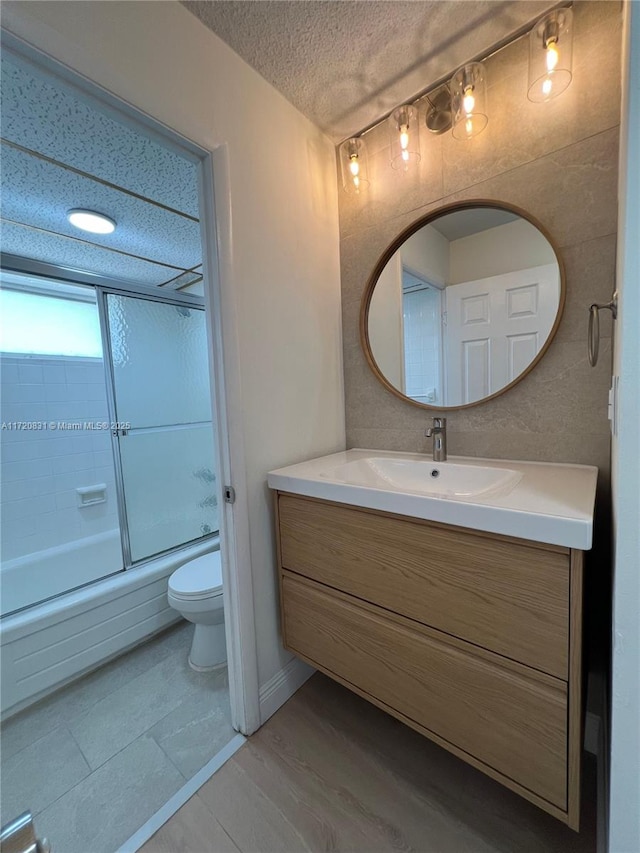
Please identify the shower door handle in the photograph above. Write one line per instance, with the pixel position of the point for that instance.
(120, 432)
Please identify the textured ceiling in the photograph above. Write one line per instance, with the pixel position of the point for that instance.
(346, 63)
(61, 151)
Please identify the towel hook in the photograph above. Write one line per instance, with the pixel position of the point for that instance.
(593, 339)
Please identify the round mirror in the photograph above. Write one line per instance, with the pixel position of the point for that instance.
(462, 305)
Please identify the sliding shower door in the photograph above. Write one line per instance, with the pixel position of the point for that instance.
(163, 432)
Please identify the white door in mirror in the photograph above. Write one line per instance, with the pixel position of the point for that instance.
(495, 328)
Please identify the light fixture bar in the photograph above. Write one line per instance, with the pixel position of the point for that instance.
(496, 47)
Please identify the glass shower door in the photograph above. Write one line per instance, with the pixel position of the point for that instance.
(163, 430)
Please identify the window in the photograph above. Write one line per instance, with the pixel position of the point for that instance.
(64, 322)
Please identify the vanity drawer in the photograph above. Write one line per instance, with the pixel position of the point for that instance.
(510, 720)
(499, 593)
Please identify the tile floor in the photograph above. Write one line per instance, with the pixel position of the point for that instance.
(95, 760)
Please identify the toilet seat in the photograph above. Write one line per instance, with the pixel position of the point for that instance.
(198, 579)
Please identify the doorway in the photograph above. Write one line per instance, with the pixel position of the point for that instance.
(164, 502)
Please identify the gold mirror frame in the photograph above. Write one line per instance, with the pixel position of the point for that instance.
(393, 248)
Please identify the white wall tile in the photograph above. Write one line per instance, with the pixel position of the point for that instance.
(73, 462)
(41, 469)
(9, 371)
(30, 373)
(55, 392)
(103, 459)
(54, 373)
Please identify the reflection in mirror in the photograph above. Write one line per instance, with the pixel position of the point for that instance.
(464, 306)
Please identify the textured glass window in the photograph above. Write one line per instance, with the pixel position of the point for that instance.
(45, 325)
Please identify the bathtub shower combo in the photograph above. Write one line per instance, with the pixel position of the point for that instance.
(108, 479)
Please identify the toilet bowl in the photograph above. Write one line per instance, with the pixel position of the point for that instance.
(195, 591)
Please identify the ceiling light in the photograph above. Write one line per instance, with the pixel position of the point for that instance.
(550, 48)
(89, 220)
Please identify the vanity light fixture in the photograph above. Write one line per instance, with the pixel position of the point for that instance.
(438, 117)
(459, 103)
(550, 54)
(405, 137)
(90, 220)
(468, 88)
(353, 162)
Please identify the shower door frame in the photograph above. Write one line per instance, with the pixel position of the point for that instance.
(214, 193)
(124, 289)
(53, 272)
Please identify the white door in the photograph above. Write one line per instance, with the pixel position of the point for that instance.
(494, 328)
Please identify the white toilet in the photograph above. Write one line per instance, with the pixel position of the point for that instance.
(195, 591)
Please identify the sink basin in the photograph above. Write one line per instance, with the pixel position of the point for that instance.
(539, 501)
(424, 477)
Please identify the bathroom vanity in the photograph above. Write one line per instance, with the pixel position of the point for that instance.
(450, 595)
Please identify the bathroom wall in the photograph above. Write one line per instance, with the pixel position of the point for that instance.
(624, 822)
(483, 255)
(559, 162)
(41, 469)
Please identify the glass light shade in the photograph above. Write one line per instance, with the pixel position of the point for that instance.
(404, 137)
(469, 100)
(550, 55)
(354, 165)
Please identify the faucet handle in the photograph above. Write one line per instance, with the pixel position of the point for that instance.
(439, 425)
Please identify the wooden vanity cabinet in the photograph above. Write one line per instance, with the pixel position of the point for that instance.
(471, 638)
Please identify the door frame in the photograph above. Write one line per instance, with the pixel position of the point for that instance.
(223, 350)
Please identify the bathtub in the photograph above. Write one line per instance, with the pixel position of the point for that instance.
(45, 574)
(48, 645)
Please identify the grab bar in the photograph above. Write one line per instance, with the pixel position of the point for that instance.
(593, 338)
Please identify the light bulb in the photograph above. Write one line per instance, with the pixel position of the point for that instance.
(552, 55)
(468, 102)
(546, 87)
(404, 138)
(354, 166)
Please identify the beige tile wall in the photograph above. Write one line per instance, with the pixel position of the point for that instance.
(559, 162)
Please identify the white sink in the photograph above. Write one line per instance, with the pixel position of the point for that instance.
(542, 501)
(441, 479)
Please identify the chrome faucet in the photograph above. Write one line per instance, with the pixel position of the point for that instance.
(439, 433)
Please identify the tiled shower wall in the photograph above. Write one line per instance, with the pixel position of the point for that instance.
(42, 468)
(559, 162)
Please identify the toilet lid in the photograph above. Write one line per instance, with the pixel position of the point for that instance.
(198, 578)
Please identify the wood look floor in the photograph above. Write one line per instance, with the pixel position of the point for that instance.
(330, 772)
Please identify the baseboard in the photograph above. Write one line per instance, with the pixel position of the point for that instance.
(282, 686)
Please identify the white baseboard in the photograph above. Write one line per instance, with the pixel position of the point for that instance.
(282, 686)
